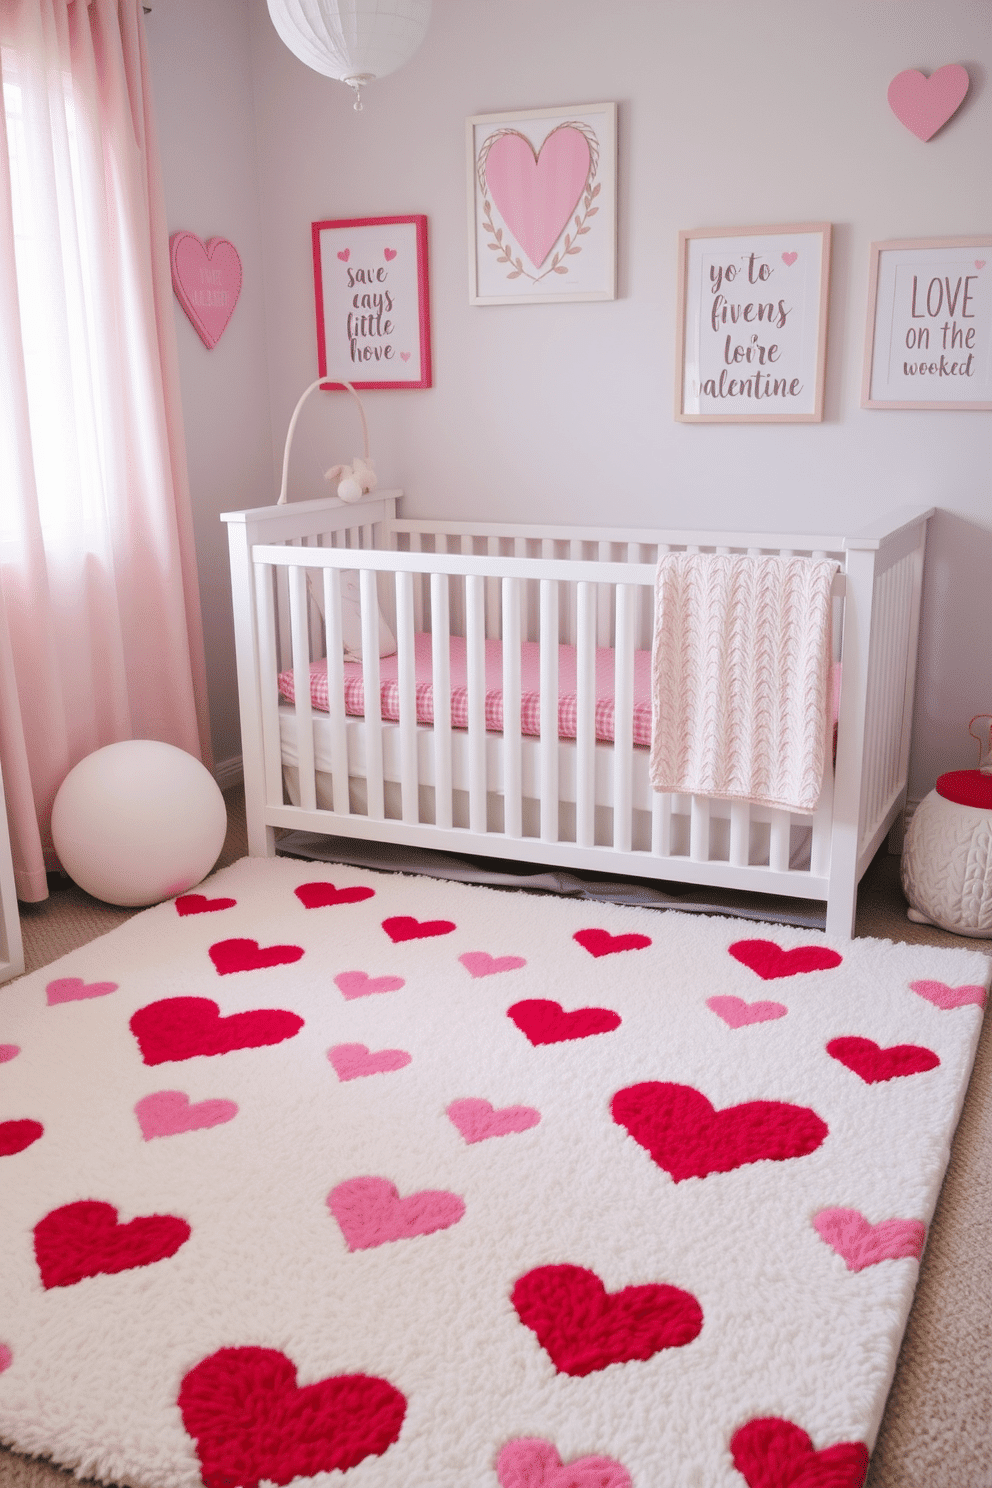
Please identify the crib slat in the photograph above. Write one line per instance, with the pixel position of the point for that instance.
(334, 650)
(441, 660)
(475, 650)
(512, 747)
(604, 616)
(300, 636)
(492, 593)
(418, 593)
(407, 678)
(585, 724)
(373, 696)
(268, 669)
(778, 842)
(661, 824)
(549, 710)
(623, 716)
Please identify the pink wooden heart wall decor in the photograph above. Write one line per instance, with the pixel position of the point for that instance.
(207, 280)
(924, 104)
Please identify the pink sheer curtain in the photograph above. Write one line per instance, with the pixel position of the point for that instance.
(100, 629)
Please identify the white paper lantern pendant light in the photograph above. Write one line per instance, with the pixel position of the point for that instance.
(355, 41)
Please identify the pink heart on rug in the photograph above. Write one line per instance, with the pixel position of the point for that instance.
(318, 895)
(875, 1064)
(947, 998)
(537, 191)
(861, 1244)
(477, 1120)
(182, 1027)
(194, 904)
(166, 1113)
(344, 255)
(770, 961)
(370, 1212)
(8, 1052)
(531, 1462)
(772, 1453)
(6, 1357)
(359, 984)
(405, 927)
(689, 1138)
(737, 1013)
(87, 1239)
(74, 989)
(207, 280)
(924, 104)
(352, 1061)
(253, 1423)
(789, 259)
(583, 1327)
(546, 1022)
(602, 943)
(230, 956)
(16, 1136)
(481, 964)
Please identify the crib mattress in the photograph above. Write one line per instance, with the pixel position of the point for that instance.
(530, 705)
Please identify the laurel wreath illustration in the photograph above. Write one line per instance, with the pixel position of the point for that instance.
(501, 244)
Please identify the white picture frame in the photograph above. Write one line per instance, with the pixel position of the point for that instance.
(928, 342)
(542, 187)
(752, 324)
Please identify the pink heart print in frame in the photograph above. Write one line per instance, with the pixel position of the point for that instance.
(207, 280)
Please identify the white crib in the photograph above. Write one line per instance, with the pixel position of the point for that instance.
(582, 803)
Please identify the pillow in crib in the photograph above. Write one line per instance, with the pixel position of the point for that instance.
(351, 617)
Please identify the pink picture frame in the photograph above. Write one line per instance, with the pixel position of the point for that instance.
(372, 302)
(928, 341)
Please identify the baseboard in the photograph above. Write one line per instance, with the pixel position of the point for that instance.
(229, 772)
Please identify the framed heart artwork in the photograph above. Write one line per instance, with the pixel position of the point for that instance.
(542, 205)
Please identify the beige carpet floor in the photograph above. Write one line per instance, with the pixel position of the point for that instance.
(937, 1428)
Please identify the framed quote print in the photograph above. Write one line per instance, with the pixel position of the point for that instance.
(929, 338)
(542, 189)
(371, 294)
(752, 324)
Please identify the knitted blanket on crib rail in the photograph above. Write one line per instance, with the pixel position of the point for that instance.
(741, 676)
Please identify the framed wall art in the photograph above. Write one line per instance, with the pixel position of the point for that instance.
(371, 293)
(929, 336)
(752, 324)
(542, 205)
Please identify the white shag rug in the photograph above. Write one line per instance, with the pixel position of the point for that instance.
(388, 1182)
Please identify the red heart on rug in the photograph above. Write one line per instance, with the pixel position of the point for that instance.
(547, 1022)
(405, 927)
(251, 1421)
(74, 989)
(247, 955)
(182, 1027)
(583, 1327)
(771, 1453)
(770, 961)
(737, 1013)
(478, 1120)
(6, 1357)
(947, 998)
(481, 964)
(86, 1239)
(531, 1462)
(875, 1064)
(318, 895)
(370, 1211)
(689, 1138)
(352, 1061)
(862, 1244)
(602, 943)
(359, 984)
(16, 1136)
(193, 904)
(166, 1113)
(8, 1052)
